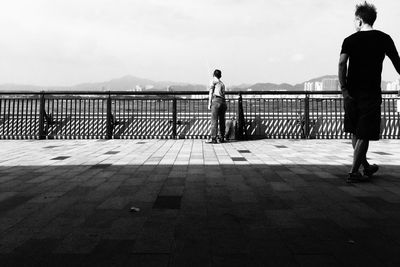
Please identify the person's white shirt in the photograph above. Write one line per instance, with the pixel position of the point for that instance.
(217, 87)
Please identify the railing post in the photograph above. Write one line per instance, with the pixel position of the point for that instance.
(240, 116)
(174, 118)
(109, 118)
(307, 116)
(42, 134)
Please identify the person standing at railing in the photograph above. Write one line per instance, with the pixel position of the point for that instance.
(217, 105)
(360, 83)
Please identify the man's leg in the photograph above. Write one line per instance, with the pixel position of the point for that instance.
(360, 154)
(364, 161)
(221, 118)
(214, 121)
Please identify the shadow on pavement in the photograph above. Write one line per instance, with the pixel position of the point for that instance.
(195, 215)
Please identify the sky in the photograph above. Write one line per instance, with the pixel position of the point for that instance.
(66, 42)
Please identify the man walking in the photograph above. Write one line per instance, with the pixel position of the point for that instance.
(360, 83)
(217, 105)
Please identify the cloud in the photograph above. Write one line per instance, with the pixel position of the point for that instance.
(298, 57)
(83, 40)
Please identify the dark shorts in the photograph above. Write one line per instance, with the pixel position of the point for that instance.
(363, 117)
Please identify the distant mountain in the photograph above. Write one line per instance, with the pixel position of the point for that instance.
(19, 87)
(125, 83)
(129, 83)
(242, 86)
(319, 79)
(132, 83)
(272, 87)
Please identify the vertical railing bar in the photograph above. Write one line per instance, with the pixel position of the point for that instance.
(24, 117)
(86, 123)
(8, 104)
(41, 116)
(161, 118)
(32, 118)
(35, 115)
(12, 116)
(80, 118)
(74, 132)
(2, 115)
(174, 117)
(62, 124)
(290, 121)
(45, 109)
(18, 125)
(68, 113)
(384, 111)
(307, 115)
(96, 115)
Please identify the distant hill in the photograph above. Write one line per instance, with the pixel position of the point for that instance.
(319, 79)
(272, 87)
(125, 83)
(131, 83)
(19, 87)
(282, 86)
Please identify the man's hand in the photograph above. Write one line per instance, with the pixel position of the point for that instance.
(346, 95)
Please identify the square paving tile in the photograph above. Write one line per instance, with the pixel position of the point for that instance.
(101, 166)
(238, 159)
(275, 209)
(382, 153)
(111, 153)
(50, 147)
(167, 202)
(61, 158)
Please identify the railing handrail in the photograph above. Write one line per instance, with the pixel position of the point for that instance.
(174, 93)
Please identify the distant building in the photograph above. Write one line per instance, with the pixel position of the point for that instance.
(141, 88)
(309, 86)
(318, 86)
(313, 86)
(395, 85)
(330, 84)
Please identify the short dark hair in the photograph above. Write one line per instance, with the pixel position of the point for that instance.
(218, 74)
(367, 12)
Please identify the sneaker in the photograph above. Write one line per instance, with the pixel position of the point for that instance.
(371, 170)
(355, 177)
(212, 141)
(220, 140)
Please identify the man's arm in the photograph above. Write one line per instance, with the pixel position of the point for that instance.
(392, 53)
(210, 94)
(210, 98)
(343, 74)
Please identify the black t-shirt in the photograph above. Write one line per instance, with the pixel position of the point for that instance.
(366, 51)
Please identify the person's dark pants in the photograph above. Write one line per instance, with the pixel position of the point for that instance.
(218, 110)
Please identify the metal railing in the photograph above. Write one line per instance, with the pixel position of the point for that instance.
(273, 114)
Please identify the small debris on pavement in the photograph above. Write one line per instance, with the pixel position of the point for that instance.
(134, 209)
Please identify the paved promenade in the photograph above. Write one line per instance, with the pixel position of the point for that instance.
(251, 203)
